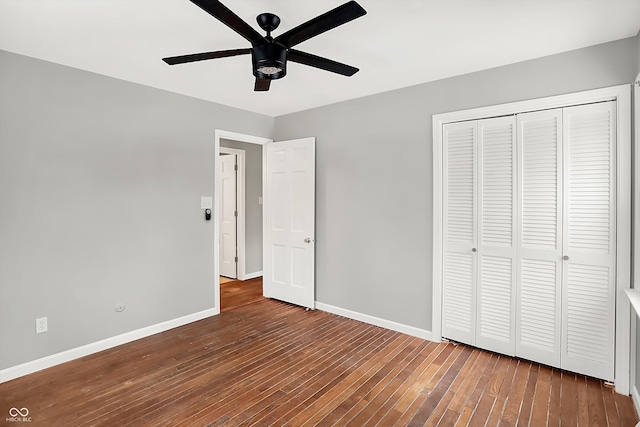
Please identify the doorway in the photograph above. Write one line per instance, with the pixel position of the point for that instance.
(248, 150)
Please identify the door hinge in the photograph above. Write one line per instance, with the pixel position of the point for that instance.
(235, 167)
(236, 259)
(235, 213)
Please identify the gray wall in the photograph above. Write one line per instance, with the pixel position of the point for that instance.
(100, 185)
(253, 210)
(100, 182)
(374, 174)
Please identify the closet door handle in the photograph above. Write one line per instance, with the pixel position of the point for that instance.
(473, 250)
(566, 257)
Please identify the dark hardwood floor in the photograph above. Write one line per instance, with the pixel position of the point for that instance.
(263, 362)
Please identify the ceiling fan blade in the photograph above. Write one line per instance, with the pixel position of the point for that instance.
(320, 62)
(318, 25)
(182, 59)
(231, 20)
(262, 85)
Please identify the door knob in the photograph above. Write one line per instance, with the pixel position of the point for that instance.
(566, 257)
(308, 240)
(473, 250)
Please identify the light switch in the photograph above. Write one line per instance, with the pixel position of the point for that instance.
(206, 202)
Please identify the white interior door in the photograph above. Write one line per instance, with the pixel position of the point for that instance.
(228, 216)
(289, 221)
(460, 232)
(495, 329)
(539, 270)
(589, 242)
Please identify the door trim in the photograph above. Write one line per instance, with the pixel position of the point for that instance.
(636, 240)
(621, 94)
(240, 207)
(234, 136)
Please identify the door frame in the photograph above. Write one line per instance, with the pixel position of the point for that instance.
(636, 239)
(234, 136)
(621, 94)
(240, 207)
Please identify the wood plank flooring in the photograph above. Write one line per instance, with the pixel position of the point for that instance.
(266, 363)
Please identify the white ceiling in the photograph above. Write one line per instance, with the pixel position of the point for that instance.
(397, 44)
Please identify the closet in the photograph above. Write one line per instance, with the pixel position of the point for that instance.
(529, 236)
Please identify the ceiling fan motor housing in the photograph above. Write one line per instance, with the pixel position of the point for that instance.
(269, 61)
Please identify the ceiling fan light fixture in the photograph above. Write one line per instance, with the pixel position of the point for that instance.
(269, 61)
(265, 69)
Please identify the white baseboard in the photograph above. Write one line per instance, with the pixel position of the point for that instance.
(252, 275)
(388, 324)
(85, 350)
(636, 399)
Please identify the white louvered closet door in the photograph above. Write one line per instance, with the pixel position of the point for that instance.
(589, 240)
(459, 234)
(539, 269)
(495, 329)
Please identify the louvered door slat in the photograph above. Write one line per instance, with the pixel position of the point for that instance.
(459, 234)
(494, 325)
(458, 297)
(539, 318)
(495, 329)
(539, 148)
(589, 240)
(538, 306)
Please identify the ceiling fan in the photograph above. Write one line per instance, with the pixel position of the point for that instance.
(270, 55)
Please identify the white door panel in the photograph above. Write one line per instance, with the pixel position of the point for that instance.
(227, 215)
(539, 269)
(496, 250)
(539, 308)
(289, 222)
(460, 235)
(495, 330)
(589, 240)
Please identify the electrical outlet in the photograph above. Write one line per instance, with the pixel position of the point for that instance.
(41, 325)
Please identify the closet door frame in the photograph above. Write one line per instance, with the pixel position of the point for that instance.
(622, 95)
